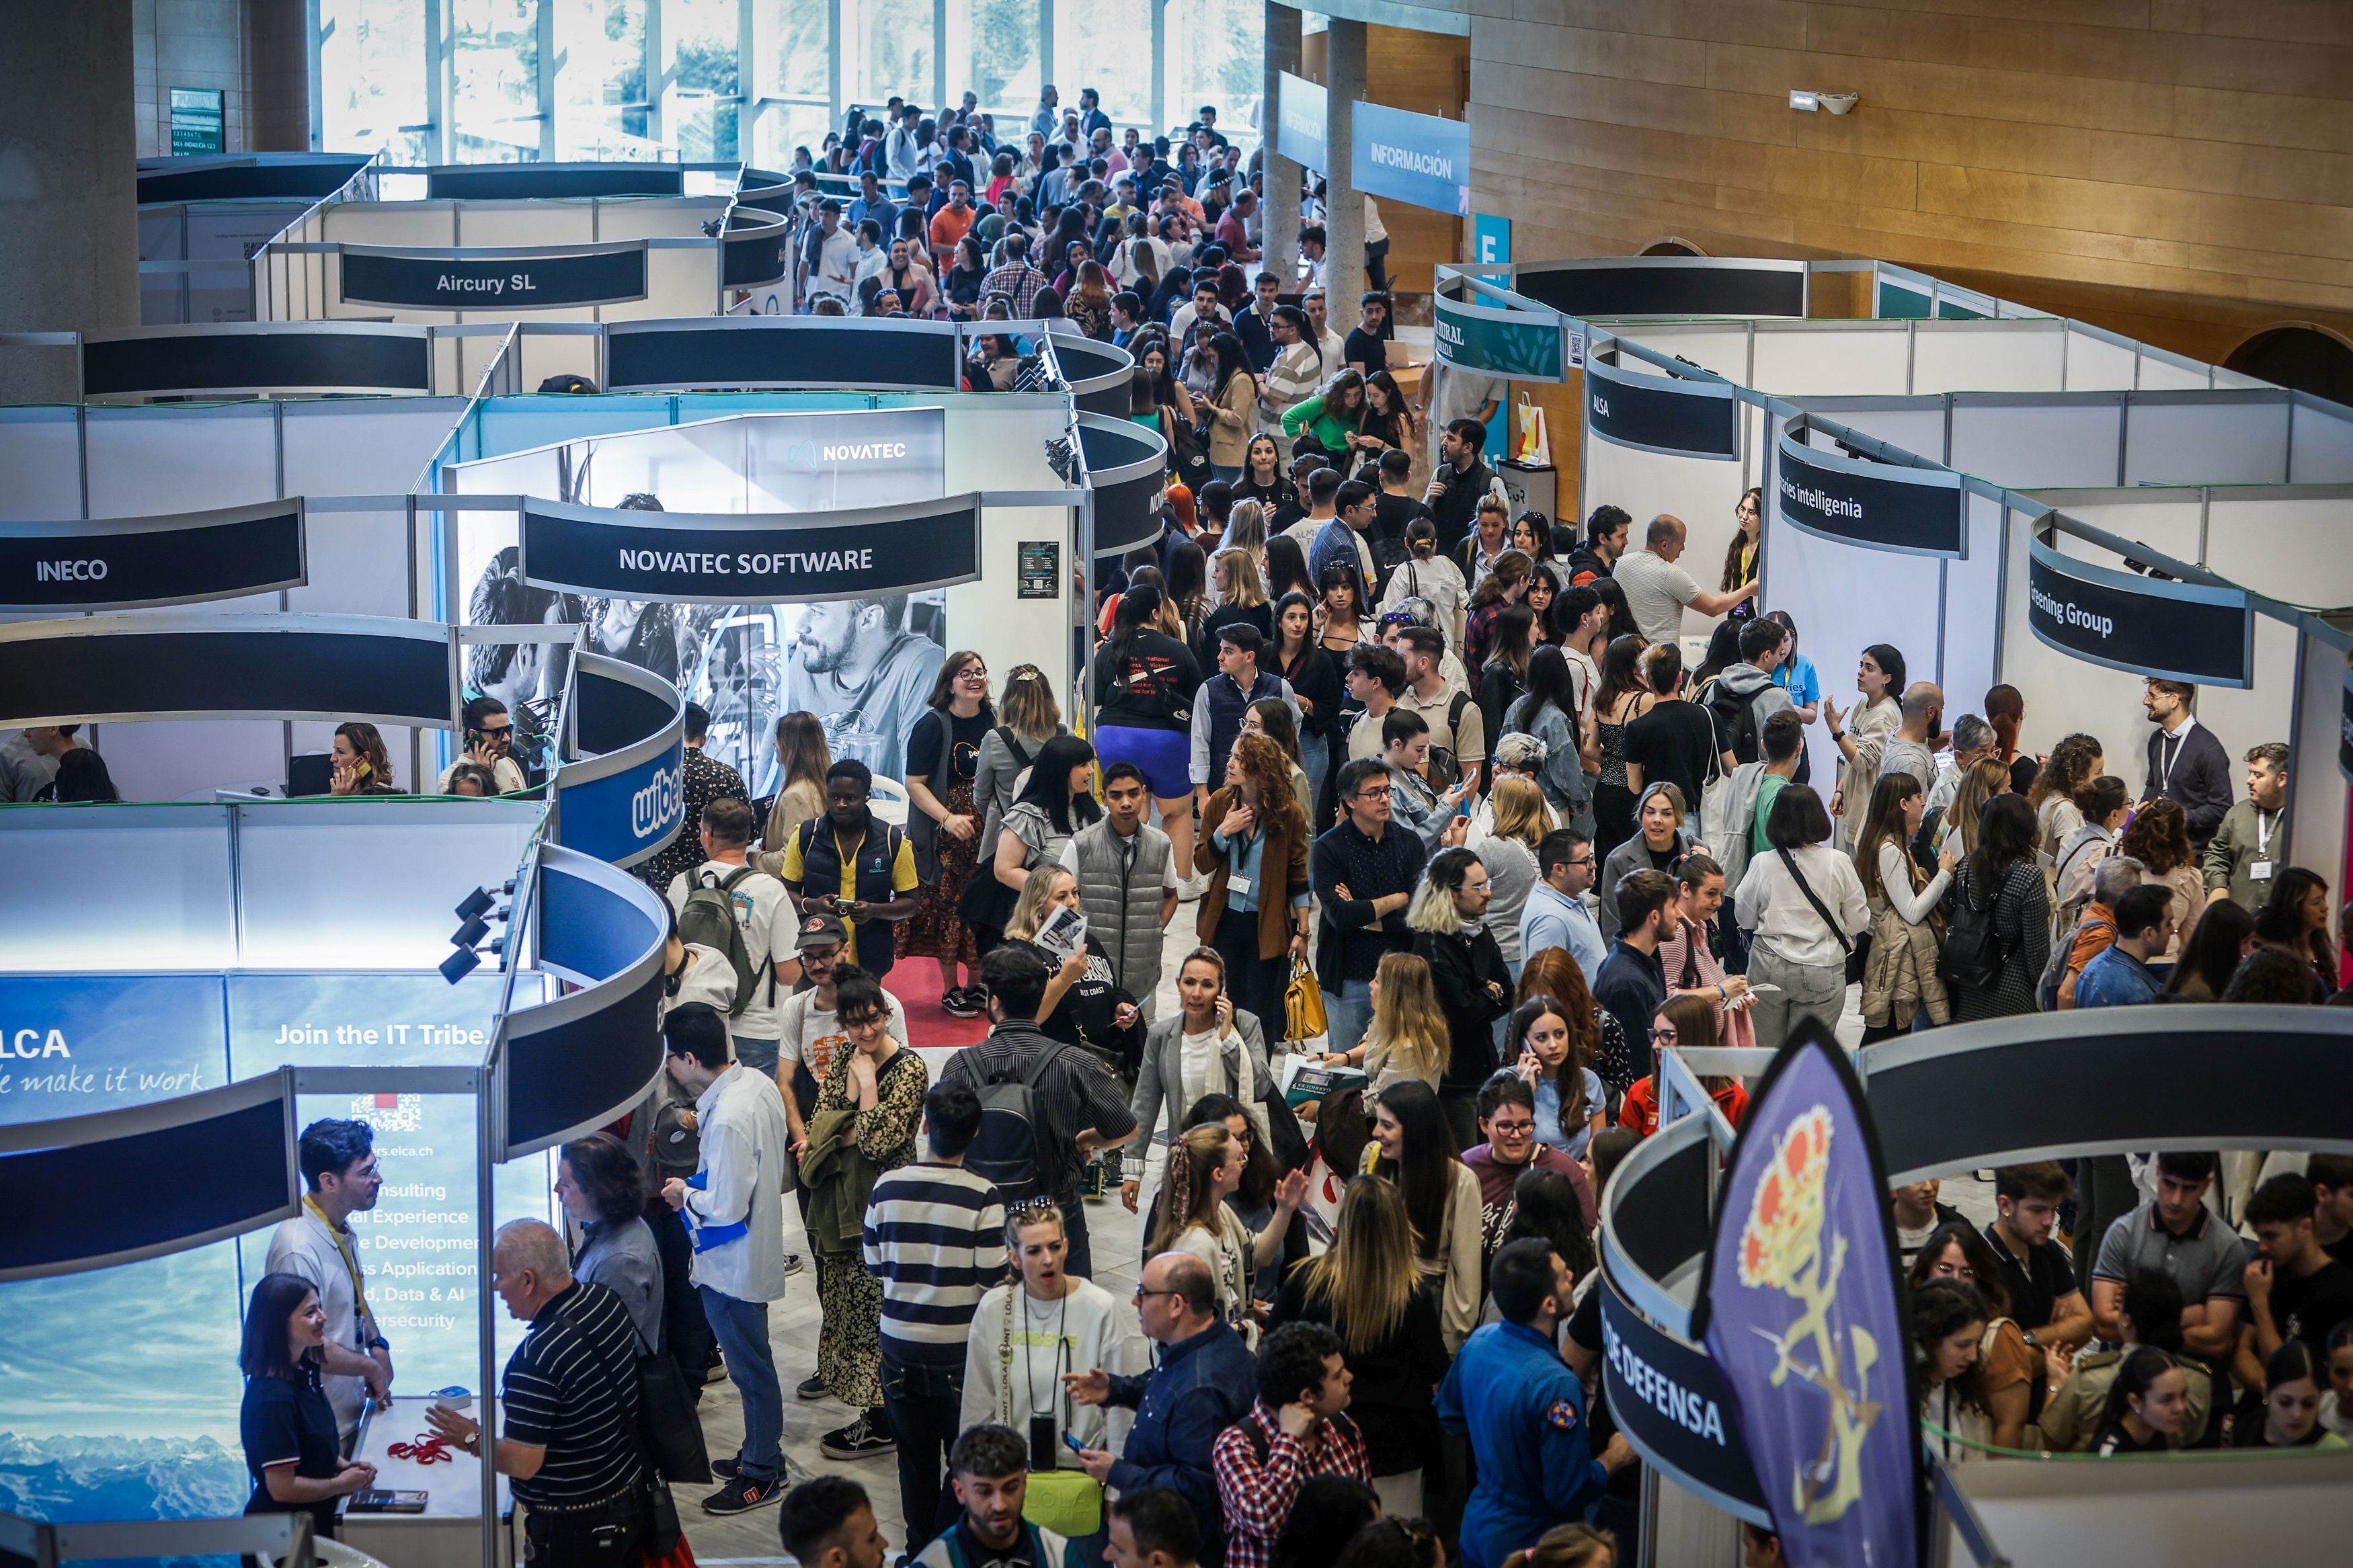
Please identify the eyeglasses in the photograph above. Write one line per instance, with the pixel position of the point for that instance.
(1378, 792)
(1511, 1129)
(1580, 860)
(1141, 1293)
(1666, 1035)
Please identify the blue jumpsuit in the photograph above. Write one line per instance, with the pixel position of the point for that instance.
(1523, 1411)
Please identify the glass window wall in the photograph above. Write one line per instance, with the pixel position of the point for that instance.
(713, 81)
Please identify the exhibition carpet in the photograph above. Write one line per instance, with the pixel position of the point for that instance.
(915, 982)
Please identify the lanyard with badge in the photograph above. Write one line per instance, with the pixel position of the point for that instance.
(2259, 868)
(361, 1318)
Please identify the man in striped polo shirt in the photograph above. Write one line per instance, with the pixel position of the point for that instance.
(569, 1438)
(935, 1237)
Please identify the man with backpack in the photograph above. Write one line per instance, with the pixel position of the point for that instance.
(1744, 695)
(1045, 1107)
(2092, 935)
(851, 864)
(735, 909)
(1458, 729)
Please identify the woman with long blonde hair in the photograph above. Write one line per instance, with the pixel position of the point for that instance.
(1240, 582)
(1367, 1289)
(1408, 1036)
(1191, 1215)
(1509, 853)
(802, 757)
(1985, 779)
(1098, 1014)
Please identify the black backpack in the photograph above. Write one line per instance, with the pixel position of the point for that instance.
(1736, 721)
(1013, 1149)
(1445, 767)
(1970, 959)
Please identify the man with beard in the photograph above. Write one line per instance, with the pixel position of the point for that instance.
(856, 667)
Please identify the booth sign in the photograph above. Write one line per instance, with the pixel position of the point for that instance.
(1666, 1397)
(1880, 506)
(1522, 345)
(1419, 158)
(497, 281)
(116, 563)
(1301, 109)
(1661, 413)
(729, 558)
(2148, 626)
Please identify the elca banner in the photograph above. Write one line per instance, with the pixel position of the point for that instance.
(750, 559)
(130, 563)
(1880, 506)
(496, 279)
(1800, 1309)
(2148, 626)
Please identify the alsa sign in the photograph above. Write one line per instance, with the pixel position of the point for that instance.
(443, 282)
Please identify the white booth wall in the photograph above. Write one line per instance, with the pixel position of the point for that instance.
(138, 461)
(681, 281)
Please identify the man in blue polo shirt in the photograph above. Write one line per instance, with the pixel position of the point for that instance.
(1523, 1411)
(2119, 976)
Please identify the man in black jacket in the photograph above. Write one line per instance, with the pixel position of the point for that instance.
(2185, 764)
(1364, 872)
(1461, 478)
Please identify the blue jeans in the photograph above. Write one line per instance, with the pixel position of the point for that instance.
(1350, 1013)
(760, 1055)
(1314, 756)
(742, 1330)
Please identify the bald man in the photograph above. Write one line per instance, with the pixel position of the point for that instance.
(1912, 749)
(1658, 591)
(569, 1404)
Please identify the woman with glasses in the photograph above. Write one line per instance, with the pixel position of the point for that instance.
(1688, 1022)
(1413, 1148)
(1367, 1287)
(1210, 1047)
(2010, 1385)
(1042, 1323)
(943, 820)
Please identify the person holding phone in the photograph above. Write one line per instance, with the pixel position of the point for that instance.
(488, 742)
(361, 765)
(286, 1425)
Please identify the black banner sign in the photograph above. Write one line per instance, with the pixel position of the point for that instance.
(323, 356)
(779, 350)
(1666, 1397)
(1662, 413)
(2178, 631)
(1912, 511)
(500, 284)
(542, 182)
(117, 564)
(729, 559)
(1126, 469)
(1641, 289)
(213, 666)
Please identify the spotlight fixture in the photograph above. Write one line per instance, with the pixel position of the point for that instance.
(459, 965)
(474, 904)
(472, 933)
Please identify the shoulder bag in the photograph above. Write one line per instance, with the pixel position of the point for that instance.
(1858, 953)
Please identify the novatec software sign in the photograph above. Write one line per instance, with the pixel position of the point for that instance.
(1880, 506)
(501, 279)
(750, 559)
(2149, 626)
(1419, 158)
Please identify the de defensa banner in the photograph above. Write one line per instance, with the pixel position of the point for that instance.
(1800, 1310)
(2149, 626)
(1668, 1399)
(1880, 506)
(1418, 159)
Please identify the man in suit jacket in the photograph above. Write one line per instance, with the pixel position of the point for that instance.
(2187, 763)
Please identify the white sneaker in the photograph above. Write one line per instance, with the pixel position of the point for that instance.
(1191, 889)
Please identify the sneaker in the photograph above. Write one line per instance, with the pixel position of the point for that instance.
(716, 1372)
(742, 1495)
(965, 1002)
(859, 1440)
(810, 1387)
(1190, 890)
(792, 1264)
(726, 1469)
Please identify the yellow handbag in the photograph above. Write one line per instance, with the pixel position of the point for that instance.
(1302, 1004)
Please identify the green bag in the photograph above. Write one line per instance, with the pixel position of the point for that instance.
(1068, 1502)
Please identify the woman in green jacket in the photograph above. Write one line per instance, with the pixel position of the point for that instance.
(1334, 416)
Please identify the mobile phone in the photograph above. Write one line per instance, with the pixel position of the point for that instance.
(1076, 1447)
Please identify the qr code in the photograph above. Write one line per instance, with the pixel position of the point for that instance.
(390, 1112)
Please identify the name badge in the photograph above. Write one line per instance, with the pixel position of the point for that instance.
(1242, 884)
(2261, 871)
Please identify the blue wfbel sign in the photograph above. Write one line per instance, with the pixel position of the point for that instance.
(624, 817)
(1419, 158)
(1800, 1311)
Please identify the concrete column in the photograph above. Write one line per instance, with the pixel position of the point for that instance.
(1344, 208)
(1282, 173)
(69, 198)
(277, 76)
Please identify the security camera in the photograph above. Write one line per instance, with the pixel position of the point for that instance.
(1838, 102)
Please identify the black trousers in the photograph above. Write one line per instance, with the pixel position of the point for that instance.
(1256, 984)
(925, 1405)
(594, 1538)
(683, 1324)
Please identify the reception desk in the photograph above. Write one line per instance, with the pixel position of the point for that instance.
(449, 1533)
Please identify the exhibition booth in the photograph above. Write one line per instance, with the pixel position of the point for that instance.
(1682, 1378)
(202, 218)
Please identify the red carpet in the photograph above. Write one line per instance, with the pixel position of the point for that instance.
(915, 982)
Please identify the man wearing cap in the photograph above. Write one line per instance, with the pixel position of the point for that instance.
(829, 256)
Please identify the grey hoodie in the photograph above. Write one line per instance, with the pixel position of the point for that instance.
(1752, 685)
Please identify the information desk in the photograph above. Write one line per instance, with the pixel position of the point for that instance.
(449, 1533)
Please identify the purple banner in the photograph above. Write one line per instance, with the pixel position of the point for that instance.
(1800, 1310)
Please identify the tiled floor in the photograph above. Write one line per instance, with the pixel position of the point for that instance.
(793, 1322)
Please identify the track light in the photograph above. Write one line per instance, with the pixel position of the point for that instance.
(472, 933)
(459, 965)
(475, 903)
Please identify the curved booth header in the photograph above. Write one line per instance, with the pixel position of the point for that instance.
(781, 352)
(1665, 285)
(1096, 373)
(513, 182)
(1125, 466)
(2140, 622)
(261, 176)
(110, 669)
(1680, 416)
(249, 358)
(619, 794)
(127, 563)
(498, 279)
(1911, 507)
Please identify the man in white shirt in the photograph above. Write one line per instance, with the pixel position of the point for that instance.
(872, 260)
(899, 154)
(762, 909)
(1585, 616)
(1335, 351)
(1658, 591)
(340, 1174)
(489, 737)
(733, 1207)
(829, 256)
(810, 1033)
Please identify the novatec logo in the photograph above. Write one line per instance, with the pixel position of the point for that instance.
(652, 808)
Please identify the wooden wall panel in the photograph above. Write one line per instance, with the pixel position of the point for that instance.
(2178, 169)
(1429, 73)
